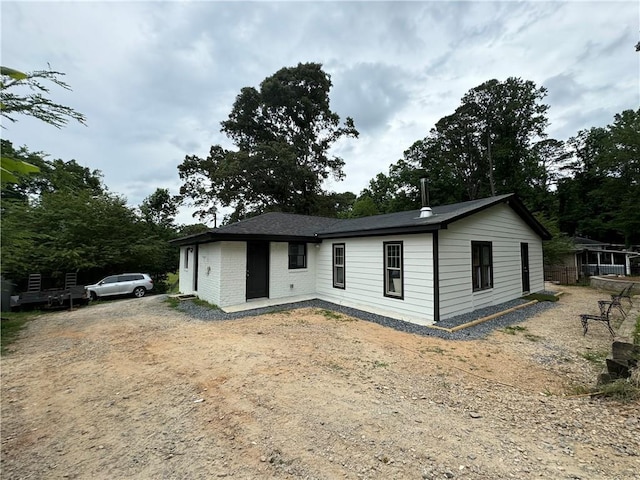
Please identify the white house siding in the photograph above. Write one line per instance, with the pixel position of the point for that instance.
(281, 278)
(506, 230)
(187, 270)
(364, 281)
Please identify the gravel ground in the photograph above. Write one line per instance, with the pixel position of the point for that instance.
(471, 333)
(136, 389)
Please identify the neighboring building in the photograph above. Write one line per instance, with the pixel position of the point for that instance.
(412, 266)
(597, 258)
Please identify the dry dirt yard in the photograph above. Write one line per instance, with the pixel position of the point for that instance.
(136, 389)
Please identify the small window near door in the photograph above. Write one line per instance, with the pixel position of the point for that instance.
(482, 265)
(393, 275)
(338, 265)
(186, 258)
(297, 255)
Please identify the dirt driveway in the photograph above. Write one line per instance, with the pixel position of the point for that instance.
(135, 389)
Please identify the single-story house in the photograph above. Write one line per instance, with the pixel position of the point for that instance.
(419, 266)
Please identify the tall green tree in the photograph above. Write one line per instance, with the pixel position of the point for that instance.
(493, 143)
(283, 133)
(600, 197)
(507, 118)
(50, 175)
(160, 208)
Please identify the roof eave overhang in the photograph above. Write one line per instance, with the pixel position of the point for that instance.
(379, 232)
(211, 237)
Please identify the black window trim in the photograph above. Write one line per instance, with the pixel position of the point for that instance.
(304, 255)
(342, 285)
(385, 286)
(480, 244)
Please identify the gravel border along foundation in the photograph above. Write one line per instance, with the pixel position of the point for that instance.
(471, 333)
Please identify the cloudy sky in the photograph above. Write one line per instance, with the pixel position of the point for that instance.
(155, 79)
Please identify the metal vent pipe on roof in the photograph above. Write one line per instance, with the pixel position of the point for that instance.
(425, 211)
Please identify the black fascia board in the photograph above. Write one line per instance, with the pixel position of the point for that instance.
(211, 237)
(194, 239)
(378, 232)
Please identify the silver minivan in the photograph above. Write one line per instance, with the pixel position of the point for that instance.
(136, 284)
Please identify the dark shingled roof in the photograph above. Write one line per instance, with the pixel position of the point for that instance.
(289, 227)
(273, 226)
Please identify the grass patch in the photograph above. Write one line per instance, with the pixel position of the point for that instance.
(204, 303)
(10, 326)
(379, 364)
(432, 350)
(330, 314)
(595, 357)
(532, 338)
(636, 332)
(513, 329)
(173, 281)
(541, 297)
(622, 390)
(173, 302)
(281, 311)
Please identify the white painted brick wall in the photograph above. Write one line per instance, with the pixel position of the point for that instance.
(233, 273)
(281, 278)
(209, 255)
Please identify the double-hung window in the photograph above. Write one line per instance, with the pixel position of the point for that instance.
(482, 265)
(338, 265)
(393, 270)
(297, 255)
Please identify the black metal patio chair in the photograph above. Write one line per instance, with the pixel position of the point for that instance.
(625, 293)
(605, 317)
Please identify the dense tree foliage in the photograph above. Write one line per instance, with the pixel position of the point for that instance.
(160, 208)
(62, 219)
(493, 143)
(49, 176)
(283, 133)
(600, 197)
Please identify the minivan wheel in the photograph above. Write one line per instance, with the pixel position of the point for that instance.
(94, 297)
(139, 292)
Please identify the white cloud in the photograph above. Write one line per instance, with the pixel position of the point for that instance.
(155, 79)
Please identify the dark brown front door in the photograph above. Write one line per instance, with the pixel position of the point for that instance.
(524, 261)
(257, 269)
